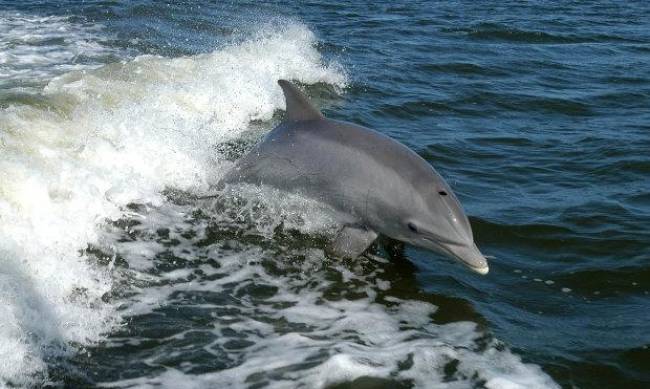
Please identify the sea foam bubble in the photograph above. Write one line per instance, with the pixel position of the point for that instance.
(286, 317)
(35, 48)
(99, 139)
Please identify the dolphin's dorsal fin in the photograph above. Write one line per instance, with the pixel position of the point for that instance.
(298, 106)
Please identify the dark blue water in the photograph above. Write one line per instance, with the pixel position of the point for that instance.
(536, 113)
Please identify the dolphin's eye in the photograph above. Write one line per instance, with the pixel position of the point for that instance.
(442, 193)
(412, 227)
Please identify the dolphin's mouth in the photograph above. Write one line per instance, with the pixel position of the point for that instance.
(480, 270)
(468, 255)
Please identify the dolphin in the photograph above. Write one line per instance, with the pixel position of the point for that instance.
(378, 185)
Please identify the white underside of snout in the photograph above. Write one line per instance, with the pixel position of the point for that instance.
(481, 270)
(470, 256)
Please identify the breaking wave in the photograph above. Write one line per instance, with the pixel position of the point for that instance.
(95, 140)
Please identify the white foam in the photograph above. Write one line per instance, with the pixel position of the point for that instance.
(118, 134)
(321, 341)
(33, 48)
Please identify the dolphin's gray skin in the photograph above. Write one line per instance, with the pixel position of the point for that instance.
(378, 184)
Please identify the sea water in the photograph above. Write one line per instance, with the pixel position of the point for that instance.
(117, 119)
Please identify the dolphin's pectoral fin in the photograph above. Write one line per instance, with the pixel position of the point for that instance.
(351, 242)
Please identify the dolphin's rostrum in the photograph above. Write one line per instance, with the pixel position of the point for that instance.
(379, 185)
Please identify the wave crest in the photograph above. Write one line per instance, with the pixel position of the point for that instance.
(119, 134)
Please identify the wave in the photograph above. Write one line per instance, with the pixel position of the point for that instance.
(502, 33)
(99, 139)
(36, 48)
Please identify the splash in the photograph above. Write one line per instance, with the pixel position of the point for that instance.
(269, 314)
(99, 139)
